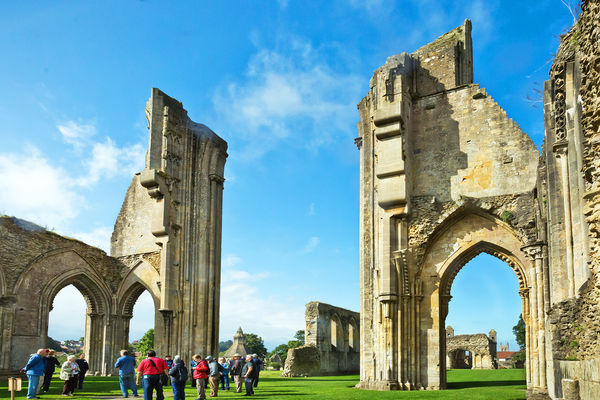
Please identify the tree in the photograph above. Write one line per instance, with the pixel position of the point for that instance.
(146, 343)
(519, 331)
(255, 344)
(225, 345)
(299, 336)
(282, 351)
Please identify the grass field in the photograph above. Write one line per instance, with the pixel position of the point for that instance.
(463, 384)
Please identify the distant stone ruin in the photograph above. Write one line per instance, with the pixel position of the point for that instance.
(476, 351)
(167, 240)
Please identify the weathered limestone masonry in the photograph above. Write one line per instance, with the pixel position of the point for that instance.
(169, 230)
(334, 331)
(34, 265)
(569, 188)
(482, 349)
(445, 175)
(167, 240)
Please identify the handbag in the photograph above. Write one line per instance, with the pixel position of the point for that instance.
(164, 379)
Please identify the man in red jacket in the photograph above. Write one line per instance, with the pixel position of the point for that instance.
(149, 372)
(200, 376)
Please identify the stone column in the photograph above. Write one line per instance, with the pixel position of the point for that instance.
(561, 150)
(524, 293)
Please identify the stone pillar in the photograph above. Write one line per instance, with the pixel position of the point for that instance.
(561, 150)
(6, 328)
(524, 293)
(94, 342)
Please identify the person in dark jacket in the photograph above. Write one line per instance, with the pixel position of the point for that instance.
(51, 364)
(179, 375)
(258, 364)
(83, 368)
(236, 372)
(249, 374)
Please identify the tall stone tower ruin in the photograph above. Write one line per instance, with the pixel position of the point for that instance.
(169, 230)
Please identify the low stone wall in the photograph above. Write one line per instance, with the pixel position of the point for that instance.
(586, 372)
(302, 361)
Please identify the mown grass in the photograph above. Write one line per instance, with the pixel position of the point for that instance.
(501, 384)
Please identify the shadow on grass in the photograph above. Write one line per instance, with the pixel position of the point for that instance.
(473, 384)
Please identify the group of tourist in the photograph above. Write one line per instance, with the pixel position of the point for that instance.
(42, 365)
(153, 373)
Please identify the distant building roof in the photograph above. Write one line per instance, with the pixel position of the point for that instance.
(505, 354)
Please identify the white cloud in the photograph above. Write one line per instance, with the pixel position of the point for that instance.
(230, 260)
(311, 210)
(108, 161)
(97, 237)
(77, 134)
(275, 317)
(290, 95)
(37, 191)
(312, 244)
(369, 5)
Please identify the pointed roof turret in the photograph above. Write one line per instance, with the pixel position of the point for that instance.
(238, 346)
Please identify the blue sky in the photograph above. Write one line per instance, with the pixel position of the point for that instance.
(279, 80)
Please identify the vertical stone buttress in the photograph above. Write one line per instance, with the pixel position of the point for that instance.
(184, 176)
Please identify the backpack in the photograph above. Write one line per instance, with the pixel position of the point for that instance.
(183, 374)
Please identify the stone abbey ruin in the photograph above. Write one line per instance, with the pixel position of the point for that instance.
(445, 175)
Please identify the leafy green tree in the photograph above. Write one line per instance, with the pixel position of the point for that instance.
(223, 346)
(519, 331)
(53, 344)
(255, 344)
(300, 336)
(146, 343)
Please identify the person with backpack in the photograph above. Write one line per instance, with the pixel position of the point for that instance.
(149, 375)
(214, 373)
(236, 371)
(200, 376)
(179, 375)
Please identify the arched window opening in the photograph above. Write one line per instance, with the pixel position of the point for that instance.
(351, 337)
(336, 334)
(66, 322)
(142, 322)
(485, 300)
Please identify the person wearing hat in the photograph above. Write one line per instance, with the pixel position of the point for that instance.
(213, 375)
(236, 372)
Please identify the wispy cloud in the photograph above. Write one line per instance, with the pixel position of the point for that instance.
(311, 210)
(97, 237)
(36, 190)
(76, 134)
(275, 316)
(312, 244)
(289, 95)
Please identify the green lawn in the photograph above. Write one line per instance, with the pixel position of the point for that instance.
(463, 384)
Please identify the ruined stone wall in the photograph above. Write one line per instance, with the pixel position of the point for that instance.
(481, 346)
(445, 175)
(132, 232)
(570, 185)
(35, 265)
(335, 332)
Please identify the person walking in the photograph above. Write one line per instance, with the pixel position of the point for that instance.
(126, 365)
(34, 370)
(69, 373)
(179, 375)
(200, 376)
(214, 373)
(258, 364)
(249, 374)
(224, 375)
(50, 366)
(83, 368)
(236, 371)
(149, 372)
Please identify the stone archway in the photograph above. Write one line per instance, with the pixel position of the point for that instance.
(465, 234)
(35, 291)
